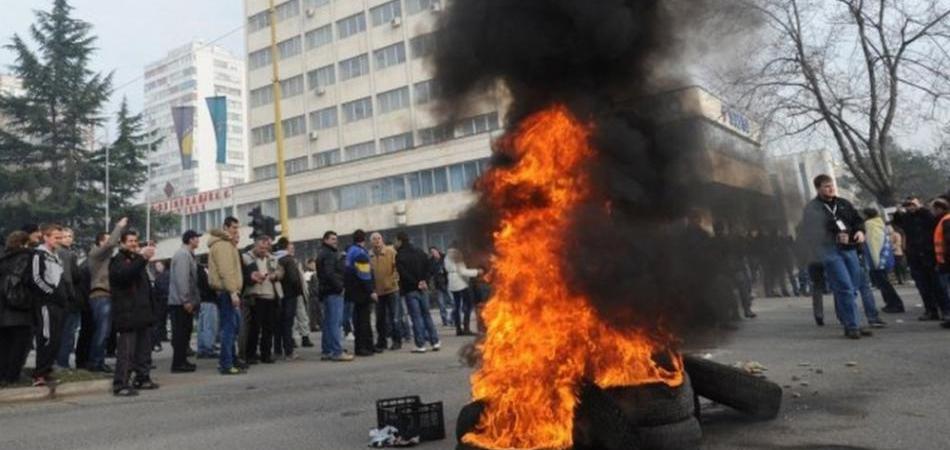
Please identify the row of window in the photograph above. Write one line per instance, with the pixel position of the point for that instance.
(348, 26)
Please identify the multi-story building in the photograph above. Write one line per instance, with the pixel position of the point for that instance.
(186, 76)
(10, 85)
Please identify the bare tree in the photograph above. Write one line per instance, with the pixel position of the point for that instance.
(851, 70)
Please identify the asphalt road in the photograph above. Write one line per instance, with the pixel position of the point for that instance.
(895, 396)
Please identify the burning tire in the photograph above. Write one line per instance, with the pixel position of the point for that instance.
(734, 388)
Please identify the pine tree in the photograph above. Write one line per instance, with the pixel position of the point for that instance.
(44, 146)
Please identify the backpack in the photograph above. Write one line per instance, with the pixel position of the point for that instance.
(14, 287)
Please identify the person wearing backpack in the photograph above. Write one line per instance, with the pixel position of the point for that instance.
(16, 307)
(50, 309)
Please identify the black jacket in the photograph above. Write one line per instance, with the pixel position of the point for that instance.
(819, 223)
(413, 267)
(918, 228)
(330, 271)
(17, 261)
(292, 283)
(437, 273)
(70, 278)
(132, 304)
(204, 288)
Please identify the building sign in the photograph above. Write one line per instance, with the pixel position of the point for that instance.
(192, 204)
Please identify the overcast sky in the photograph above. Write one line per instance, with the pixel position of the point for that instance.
(133, 33)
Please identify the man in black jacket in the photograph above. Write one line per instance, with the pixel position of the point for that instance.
(918, 225)
(413, 267)
(834, 230)
(52, 295)
(330, 273)
(132, 315)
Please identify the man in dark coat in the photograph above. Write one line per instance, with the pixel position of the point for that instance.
(16, 314)
(918, 225)
(359, 291)
(132, 315)
(413, 267)
(330, 273)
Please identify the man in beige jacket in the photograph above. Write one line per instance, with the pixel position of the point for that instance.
(382, 259)
(263, 296)
(226, 278)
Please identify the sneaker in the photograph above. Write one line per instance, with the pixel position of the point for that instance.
(892, 309)
(395, 346)
(350, 338)
(232, 371)
(145, 385)
(343, 357)
(39, 381)
(928, 317)
(852, 334)
(325, 357)
(292, 357)
(877, 323)
(419, 350)
(124, 391)
(437, 346)
(865, 332)
(184, 368)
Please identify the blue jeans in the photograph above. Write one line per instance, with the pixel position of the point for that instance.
(102, 318)
(422, 327)
(844, 274)
(404, 329)
(229, 318)
(347, 317)
(867, 295)
(442, 299)
(70, 325)
(331, 340)
(207, 328)
(462, 312)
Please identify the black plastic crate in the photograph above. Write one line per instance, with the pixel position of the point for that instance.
(412, 417)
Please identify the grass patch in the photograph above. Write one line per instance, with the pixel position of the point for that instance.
(62, 377)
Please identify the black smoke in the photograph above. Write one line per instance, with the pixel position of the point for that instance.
(608, 61)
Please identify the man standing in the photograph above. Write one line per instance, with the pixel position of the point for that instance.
(941, 210)
(918, 225)
(47, 277)
(73, 300)
(161, 286)
(358, 291)
(100, 295)
(207, 317)
(225, 278)
(263, 296)
(183, 300)
(834, 229)
(133, 316)
(293, 299)
(413, 267)
(383, 261)
(330, 273)
(438, 287)
(314, 308)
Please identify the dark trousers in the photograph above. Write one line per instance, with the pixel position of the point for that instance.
(462, 312)
(182, 325)
(891, 299)
(132, 351)
(261, 328)
(928, 284)
(900, 268)
(362, 327)
(14, 348)
(816, 272)
(87, 329)
(48, 333)
(387, 313)
(160, 329)
(288, 313)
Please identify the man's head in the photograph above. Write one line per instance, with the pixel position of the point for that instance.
(262, 245)
(101, 238)
(52, 235)
(402, 239)
(911, 203)
(434, 252)
(330, 238)
(130, 241)
(377, 240)
(870, 213)
(284, 244)
(68, 237)
(359, 237)
(940, 207)
(312, 265)
(191, 238)
(17, 240)
(233, 227)
(33, 231)
(825, 186)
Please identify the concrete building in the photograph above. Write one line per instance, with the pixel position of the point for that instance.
(185, 77)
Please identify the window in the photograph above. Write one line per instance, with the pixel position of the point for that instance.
(259, 58)
(296, 165)
(324, 118)
(387, 190)
(262, 96)
(326, 159)
(315, 3)
(323, 76)
(258, 21)
(424, 91)
(360, 151)
(396, 143)
(262, 135)
(354, 196)
(422, 45)
(456, 178)
(265, 172)
(440, 180)
(354, 67)
(287, 10)
(476, 125)
(290, 47)
(357, 110)
(349, 26)
(294, 126)
(291, 87)
(417, 6)
(386, 12)
(393, 100)
(436, 134)
(390, 56)
(319, 37)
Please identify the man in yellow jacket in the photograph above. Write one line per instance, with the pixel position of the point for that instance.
(382, 259)
(226, 278)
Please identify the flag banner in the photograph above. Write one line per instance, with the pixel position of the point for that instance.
(218, 107)
(184, 119)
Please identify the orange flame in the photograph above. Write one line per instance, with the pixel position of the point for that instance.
(544, 340)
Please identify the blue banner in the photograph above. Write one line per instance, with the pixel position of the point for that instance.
(183, 118)
(218, 107)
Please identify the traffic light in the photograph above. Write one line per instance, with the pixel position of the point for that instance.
(261, 224)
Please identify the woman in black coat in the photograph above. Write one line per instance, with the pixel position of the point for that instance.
(16, 310)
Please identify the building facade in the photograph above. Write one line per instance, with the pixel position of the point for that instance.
(186, 77)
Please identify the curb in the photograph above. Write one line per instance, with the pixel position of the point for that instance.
(26, 394)
(29, 394)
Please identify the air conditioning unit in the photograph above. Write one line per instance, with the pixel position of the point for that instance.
(396, 22)
(436, 6)
(314, 135)
(311, 12)
(319, 91)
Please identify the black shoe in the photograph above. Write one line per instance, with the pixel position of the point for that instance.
(251, 361)
(395, 346)
(877, 323)
(852, 334)
(241, 364)
(145, 385)
(305, 342)
(208, 356)
(892, 309)
(945, 324)
(124, 391)
(184, 368)
(865, 332)
(190, 353)
(365, 353)
(267, 360)
(820, 321)
(929, 317)
(380, 348)
(750, 315)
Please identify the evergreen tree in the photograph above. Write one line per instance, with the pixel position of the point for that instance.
(45, 143)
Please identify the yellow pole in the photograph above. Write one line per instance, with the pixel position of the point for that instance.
(278, 127)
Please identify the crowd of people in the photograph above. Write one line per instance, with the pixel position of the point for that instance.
(252, 306)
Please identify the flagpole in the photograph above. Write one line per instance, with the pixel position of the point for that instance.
(278, 126)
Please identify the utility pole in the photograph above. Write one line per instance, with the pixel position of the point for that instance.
(108, 145)
(278, 126)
